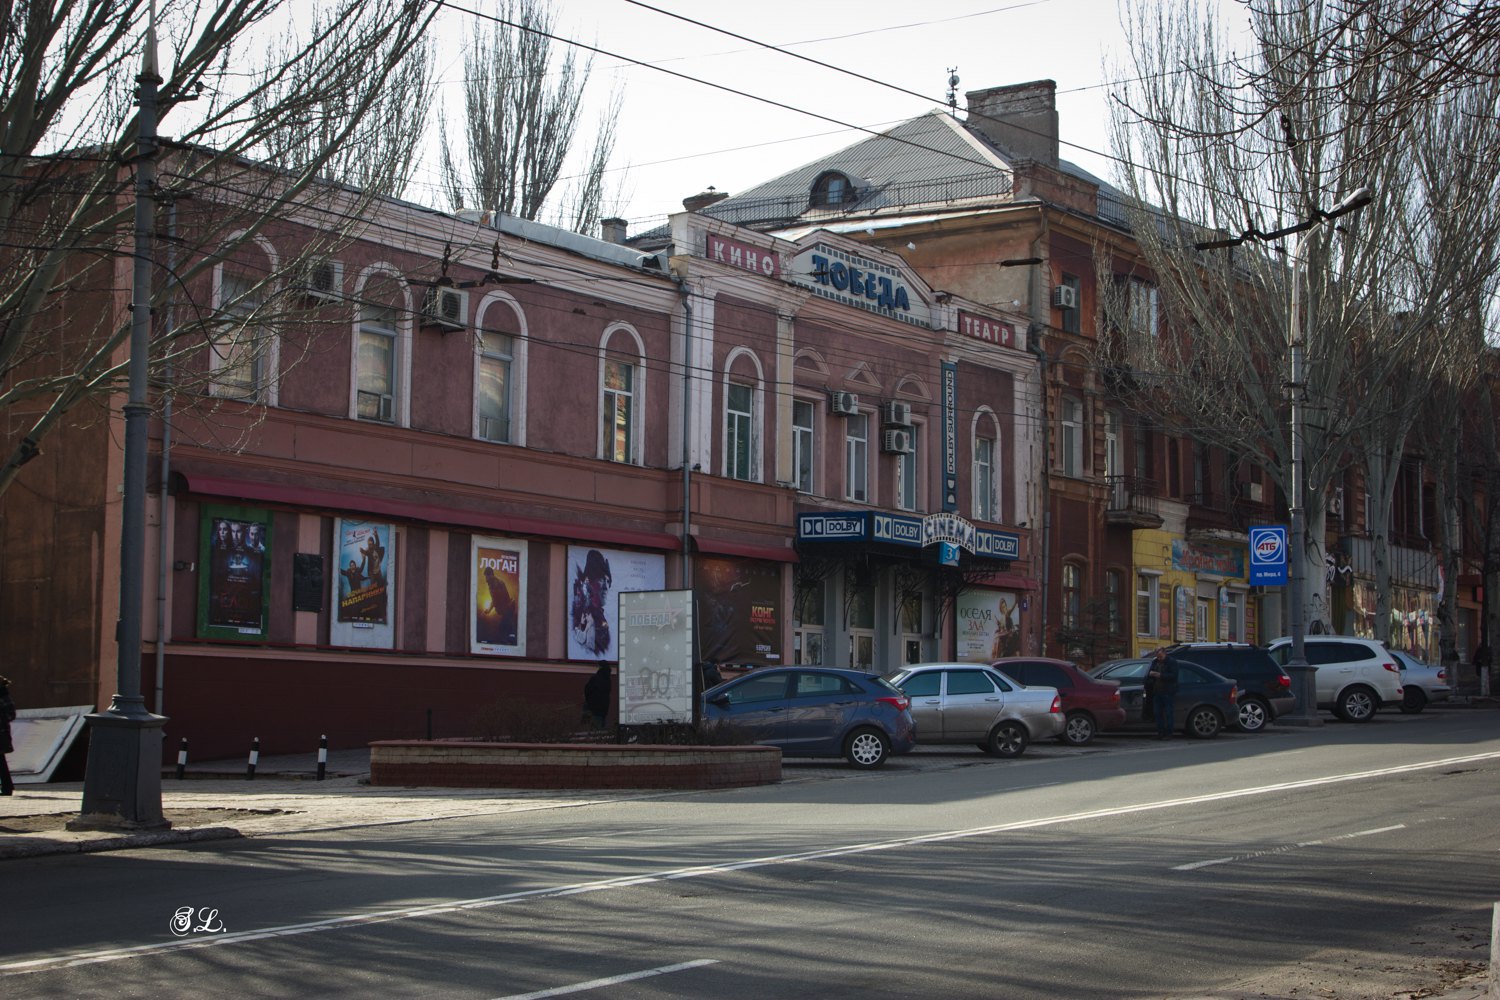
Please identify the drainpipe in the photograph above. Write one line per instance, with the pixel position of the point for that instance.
(687, 427)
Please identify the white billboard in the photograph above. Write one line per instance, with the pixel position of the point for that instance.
(656, 657)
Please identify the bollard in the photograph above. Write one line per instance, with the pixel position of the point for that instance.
(254, 759)
(182, 758)
(322, 756)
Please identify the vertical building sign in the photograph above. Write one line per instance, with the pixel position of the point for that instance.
(497, 616)
(234, 588)
(950, 436)
(363, 585)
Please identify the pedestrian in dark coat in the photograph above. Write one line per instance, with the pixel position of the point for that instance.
(1161, 679)
(596, 694)
(7, 713)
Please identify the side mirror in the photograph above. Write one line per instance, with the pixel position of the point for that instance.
(721, 700)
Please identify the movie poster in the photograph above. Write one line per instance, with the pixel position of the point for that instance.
(989, 625)
(497, 618)
(235, 580)
(596, 579)
(739, 604)
(364, 585)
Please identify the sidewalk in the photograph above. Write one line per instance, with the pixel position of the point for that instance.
(215, 801)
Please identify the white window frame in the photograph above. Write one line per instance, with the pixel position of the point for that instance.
(236, 298)
(489, 354)
(1113, 456)
(371, 317)
(983, 503)
(805, 446)
(1147, 596)
(401, 331)
(1205, 612)
(1234, 614)
(513, 326)
(621, 344)
(1070, 443)
(266, 383)
(908, 480)
(857, 458)
(754, 381)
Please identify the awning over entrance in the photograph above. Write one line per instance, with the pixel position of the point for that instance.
(304, 496)
(715, 546)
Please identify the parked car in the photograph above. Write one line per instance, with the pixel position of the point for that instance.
(1206, 701)
(816, 712)
(1089, 705)
(1420, 682)
(1265, 688)
(975, 703)
(1355, 676)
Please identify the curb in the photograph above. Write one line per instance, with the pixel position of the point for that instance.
(96, 844)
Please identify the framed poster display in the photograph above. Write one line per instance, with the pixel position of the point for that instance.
(497, 612)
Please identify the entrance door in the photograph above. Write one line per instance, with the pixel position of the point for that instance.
(861, 649)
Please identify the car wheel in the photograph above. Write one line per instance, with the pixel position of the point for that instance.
(1079, 729)
(867, 748)
(1357, 704)
(1008, 739)
(1413, 700)
(1254, 715)
(1202, 723)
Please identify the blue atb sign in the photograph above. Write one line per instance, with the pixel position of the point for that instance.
(1268, 550)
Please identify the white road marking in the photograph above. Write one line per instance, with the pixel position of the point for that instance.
(554, 892)
(1282, 850)
(594, 984)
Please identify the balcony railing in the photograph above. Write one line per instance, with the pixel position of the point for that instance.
(1132, 502)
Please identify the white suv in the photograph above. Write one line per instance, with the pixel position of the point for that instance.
(1355, 677)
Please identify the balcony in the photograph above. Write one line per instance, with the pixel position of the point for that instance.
(1132, 502)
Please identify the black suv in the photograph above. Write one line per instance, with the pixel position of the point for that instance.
(1265, 687)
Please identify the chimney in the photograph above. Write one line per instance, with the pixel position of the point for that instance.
(699, 202)
(613, 230)
(1021, 119)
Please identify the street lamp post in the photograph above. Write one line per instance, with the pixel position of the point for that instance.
(1303, 674)
(122, 778)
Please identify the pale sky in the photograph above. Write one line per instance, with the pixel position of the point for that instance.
(678, 137)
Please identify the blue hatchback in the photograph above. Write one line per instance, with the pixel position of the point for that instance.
(815, 712)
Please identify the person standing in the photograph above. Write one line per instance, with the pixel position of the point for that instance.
(596, 694)
(7, 713)
(1161, 679)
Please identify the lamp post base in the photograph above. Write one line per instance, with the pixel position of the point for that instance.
(122, 779)
(1305, 687)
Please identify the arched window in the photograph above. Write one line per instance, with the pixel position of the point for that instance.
(243, 347)
(1072, 595)
(499, 369)
(621, 389)
(743, 380)
(382, 346)
(831, 190)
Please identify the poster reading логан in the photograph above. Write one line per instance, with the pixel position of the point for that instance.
(497, 616)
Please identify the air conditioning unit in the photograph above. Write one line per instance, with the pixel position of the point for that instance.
(323, 279)
(1065, 297)
(845, 403)
(1253, 490)
(896, 414)
(445, 308)
(896, 442)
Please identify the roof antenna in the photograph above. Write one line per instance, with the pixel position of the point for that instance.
(953, 91)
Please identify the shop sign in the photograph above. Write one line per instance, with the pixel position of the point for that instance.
(997, 544)
(897, 528)
(1212, 560)
(946, 527)
(950, 435)
(836, 274)
(831, 527)
(723, 250)
(983, 328)
(1268, 551)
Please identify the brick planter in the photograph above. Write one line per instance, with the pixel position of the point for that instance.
(462, 764)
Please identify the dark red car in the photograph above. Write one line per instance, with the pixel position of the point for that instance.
(1090, 705)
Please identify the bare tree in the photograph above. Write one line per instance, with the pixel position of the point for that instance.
(523, 110)
(65, 204)
(1258, 149)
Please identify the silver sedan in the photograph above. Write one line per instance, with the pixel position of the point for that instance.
(975, 703)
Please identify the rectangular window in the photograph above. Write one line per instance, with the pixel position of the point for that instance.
(857, 458)
(494, 386)
(1205, 613)
(803, 414)
(1072, 318)
(1144, 314)
(239, 345)
(1112, 584)
(1147, 604)
(1071, 445)
(739, 421)
(1072, 595)
(984, 479)
(619, 397)
(377, 364)
(1232, 617)
(906, 477)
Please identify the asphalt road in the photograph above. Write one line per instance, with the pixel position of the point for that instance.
(1342, 862)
